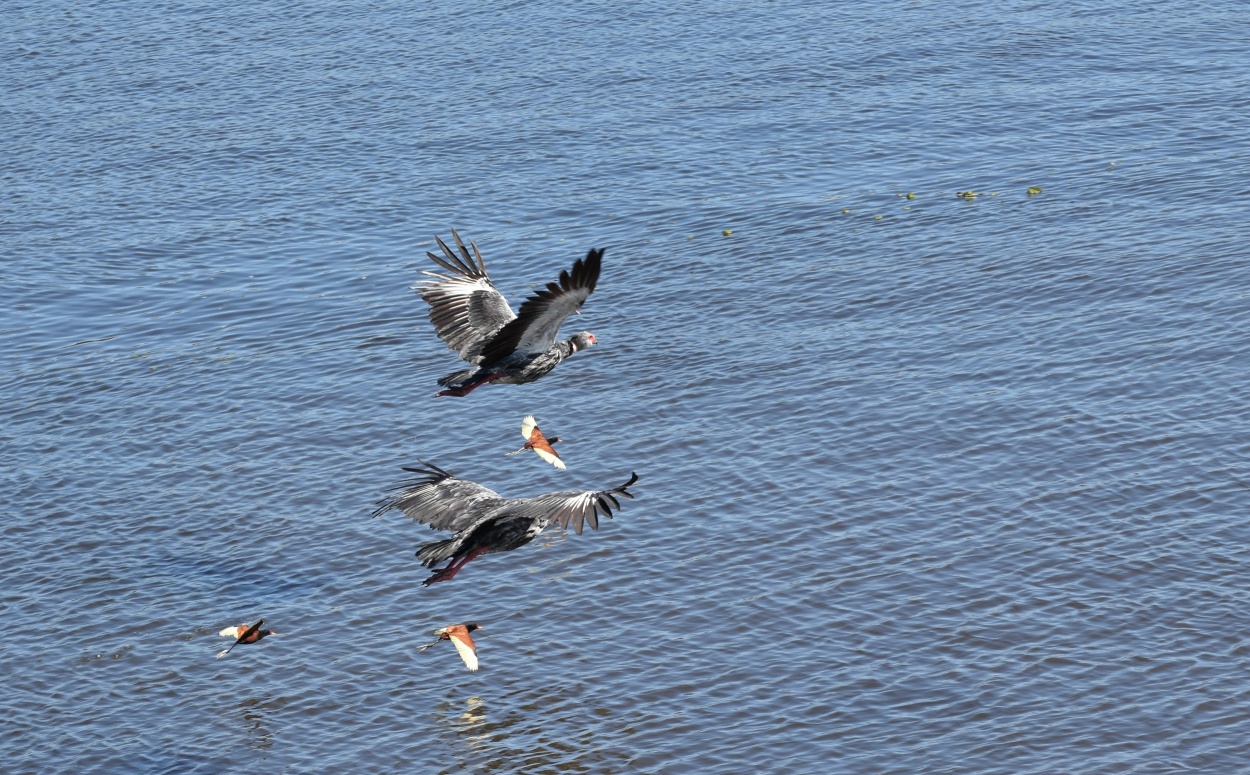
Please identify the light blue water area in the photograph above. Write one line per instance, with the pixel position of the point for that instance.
(928, 483)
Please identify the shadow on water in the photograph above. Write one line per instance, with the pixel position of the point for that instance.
(226, 579)
(257, 725)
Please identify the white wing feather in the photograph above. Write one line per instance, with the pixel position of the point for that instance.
(528, 425)
(550, 458)
(468, 654)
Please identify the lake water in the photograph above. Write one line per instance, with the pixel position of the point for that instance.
(927, 485)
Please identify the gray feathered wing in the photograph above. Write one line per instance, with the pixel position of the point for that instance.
(440, 500)
(537, 324)
(575, 507)
(465, 307)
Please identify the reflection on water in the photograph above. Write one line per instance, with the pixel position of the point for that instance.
(471, 724)
(255, 712)
(470, 730)
(496, 740)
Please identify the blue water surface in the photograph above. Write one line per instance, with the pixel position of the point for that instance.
(928, 483)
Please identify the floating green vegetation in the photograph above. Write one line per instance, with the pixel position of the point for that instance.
(726, 232)
(908, 195)
(1033, 191)
(969, 194)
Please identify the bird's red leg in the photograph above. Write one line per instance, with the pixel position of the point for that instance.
(468, 387)
(453, 567)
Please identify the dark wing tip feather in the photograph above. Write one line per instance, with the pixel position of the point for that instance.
(590, 267)
(443, 263)
(462, 264)
(430, 470)
(600, 503)
(633, 478)
(480, 263)
(429, 475)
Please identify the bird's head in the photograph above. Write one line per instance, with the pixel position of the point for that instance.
(472, 627)
(582, 340)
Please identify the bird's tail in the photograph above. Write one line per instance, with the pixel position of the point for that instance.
(456, 378)
(433, 553)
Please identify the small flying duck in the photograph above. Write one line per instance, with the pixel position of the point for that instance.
(474, 319)
(243, 634)
(535, 440)
(458, 634)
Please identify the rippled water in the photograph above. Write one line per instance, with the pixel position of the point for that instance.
(927, 484)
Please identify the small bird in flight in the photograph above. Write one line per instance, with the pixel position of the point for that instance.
(535, 440)
(243, 634)
(458, 634)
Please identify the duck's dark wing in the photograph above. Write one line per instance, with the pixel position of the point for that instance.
(538, 323)
(440, 500)
(563, 508)
(465, 307)
(250, 632)
(243, 637)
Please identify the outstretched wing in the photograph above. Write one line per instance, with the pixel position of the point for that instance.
(250, 631)
(563, 508)
(438, 499)
(465, 647)
(465, 307)
(528, 425)
(548, 453)
(243, 631)
(538, 323)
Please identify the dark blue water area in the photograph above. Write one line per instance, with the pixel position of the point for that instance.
(928, 483)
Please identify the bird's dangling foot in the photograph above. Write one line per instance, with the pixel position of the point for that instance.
(453, 567)
(444, 574)
(468, 387)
